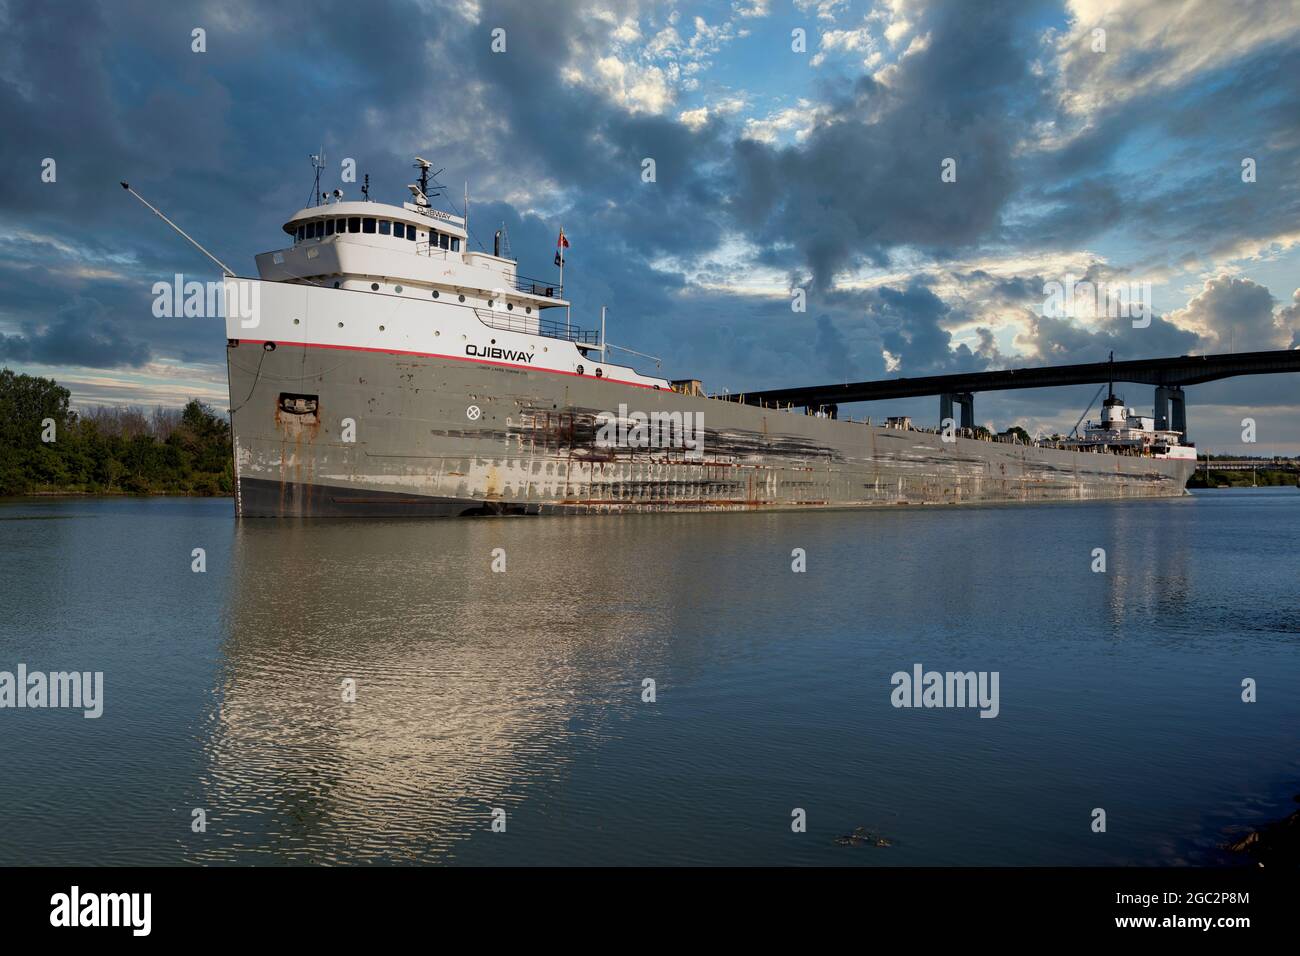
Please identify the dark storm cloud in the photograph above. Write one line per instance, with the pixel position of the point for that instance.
(1164, 166)
(592, 147)
(867, 179)
(81, 333)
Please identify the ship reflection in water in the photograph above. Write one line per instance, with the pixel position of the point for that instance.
(473, 688)
(523, 690)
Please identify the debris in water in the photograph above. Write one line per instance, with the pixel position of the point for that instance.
(861, 836)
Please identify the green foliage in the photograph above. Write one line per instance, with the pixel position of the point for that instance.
(107, 450)
(1243, 479)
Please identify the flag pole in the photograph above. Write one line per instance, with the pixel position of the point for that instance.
(563, 292)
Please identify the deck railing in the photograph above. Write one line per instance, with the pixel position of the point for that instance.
(536, 325)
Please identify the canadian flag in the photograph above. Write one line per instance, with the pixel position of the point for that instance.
(560, 245)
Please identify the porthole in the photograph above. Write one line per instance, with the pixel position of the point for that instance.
(599, 373)
(579, 369)
(436, 332)
(336, 283)
(295, 321)
(381, 328)
(462, 298)
(374, 287)
(528, 310)
(510, 306)
(397, 288)
(340, 325)
(435, 293)
(491, 303)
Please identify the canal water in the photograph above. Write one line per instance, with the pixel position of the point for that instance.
(372, 691)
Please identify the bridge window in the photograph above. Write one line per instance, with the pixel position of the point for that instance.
(444, 240)
(354, 223)
(300, 233)
(318, 229)
(410, 233)
(455, 244)
(385, 227)
(329, 227)
(368, 225)
(399, 229)
(340, 225)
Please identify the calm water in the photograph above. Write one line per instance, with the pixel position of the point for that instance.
(522, 690)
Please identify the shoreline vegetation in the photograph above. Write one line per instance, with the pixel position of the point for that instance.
(49, 449)
(1255, 478)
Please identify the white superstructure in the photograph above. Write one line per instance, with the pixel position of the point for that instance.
(1124, 429)
(415, 287)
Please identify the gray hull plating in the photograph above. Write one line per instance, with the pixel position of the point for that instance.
(400, 434)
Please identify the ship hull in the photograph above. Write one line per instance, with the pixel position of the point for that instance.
(399, 433)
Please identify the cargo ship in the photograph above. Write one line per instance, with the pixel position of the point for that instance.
(380, 367)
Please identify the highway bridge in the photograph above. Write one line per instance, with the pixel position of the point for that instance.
(1169, 376)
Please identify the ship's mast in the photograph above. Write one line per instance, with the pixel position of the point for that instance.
(424, 181)
(318, 164)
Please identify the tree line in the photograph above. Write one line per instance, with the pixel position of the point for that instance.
(47, 447)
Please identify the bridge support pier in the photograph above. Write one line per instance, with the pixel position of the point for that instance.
(1162, 406)
(965, 403)
(1178, 410)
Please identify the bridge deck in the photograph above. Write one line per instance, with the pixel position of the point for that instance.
(1177, 371)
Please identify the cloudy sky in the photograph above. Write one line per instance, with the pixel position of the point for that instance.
(1115, 156)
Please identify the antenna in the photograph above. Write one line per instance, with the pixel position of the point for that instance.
(317, 163)
(365, 189)
(1110, 393)
(424, 192)
(224, 268)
